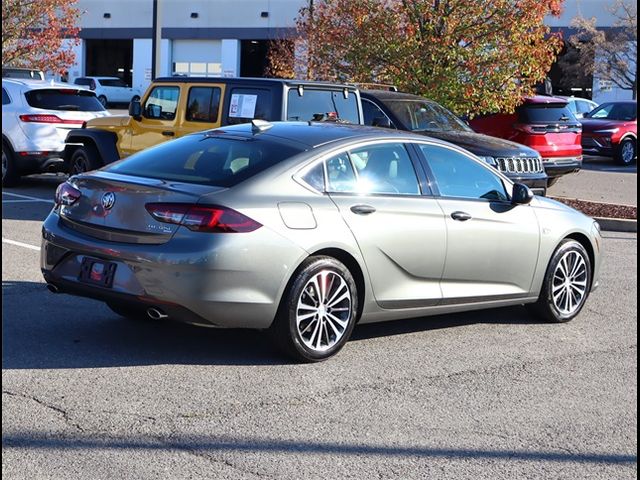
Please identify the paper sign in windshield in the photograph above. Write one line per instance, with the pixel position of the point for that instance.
(243, 106)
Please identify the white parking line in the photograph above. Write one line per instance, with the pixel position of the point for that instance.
(25, 197)
(20, 244)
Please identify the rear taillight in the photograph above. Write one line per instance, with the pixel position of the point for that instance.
(67, 194)
(47, 118)
(202, 218)
(530, 129)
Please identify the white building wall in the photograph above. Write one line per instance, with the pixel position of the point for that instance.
(141, 63)
(230, 58)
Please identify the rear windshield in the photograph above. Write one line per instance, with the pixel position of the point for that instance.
(64, 99)
(206, 159)
(545, 113)
(322, 105)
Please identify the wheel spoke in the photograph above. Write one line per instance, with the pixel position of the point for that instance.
(315, 320)
(342, 323)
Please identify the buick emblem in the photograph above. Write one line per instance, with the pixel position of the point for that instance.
(108, 199)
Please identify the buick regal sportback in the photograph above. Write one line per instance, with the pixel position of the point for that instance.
(306, 229)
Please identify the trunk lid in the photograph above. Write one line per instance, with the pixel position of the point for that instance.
(112, 206)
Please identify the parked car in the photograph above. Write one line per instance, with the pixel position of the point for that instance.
(25, 73)
(306, 228)
(419, 115)
(611, 130)
(109, 89)
(545, 124)
(580, 106)
(36, 117)
(176, 106)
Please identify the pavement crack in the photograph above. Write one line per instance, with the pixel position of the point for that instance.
(54, 408)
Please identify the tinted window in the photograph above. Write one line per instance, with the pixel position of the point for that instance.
(616, 111)
(206, 159)
(385, 168)
(203, 104)
(162, 103)
(82, 81)
(5, 97)
(113, 82)
(322, 105)
(545, 113)
(425, 116)
(371, 112)
(64, 99)
(340, 174)
(459, 176)
(249, 103)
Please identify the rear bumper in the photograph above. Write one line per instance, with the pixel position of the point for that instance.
(556, 166)
(223, 280)
(28, 162)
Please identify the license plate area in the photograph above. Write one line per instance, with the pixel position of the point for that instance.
(97, 272)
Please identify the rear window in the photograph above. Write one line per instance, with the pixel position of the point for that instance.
(321, 105)
(249, 103)
(206, 159)
(64, 99)
(545, 113)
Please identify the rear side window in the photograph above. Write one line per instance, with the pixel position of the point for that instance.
(206, 159)
(321, 105)
(5, 97)
(545, 113)
(249, 103)
(113, 82)
(203, 104)
(64, 99)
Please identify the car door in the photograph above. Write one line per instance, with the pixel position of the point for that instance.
(400, 232)
(203, 108)
(492, 245)
(158, 121)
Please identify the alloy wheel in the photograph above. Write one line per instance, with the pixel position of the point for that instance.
(324, 310)
(627, 152)
(5, 163)
(569, 285)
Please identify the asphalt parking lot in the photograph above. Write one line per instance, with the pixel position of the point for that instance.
(494, 394)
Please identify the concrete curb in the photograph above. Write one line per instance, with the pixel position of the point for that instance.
(617, 224)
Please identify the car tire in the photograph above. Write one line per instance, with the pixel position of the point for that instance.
(313, 323)
(552, 181)
(625, 153)
(566, 284)
(130, 313)
(85, 159)
(10, 176)
(103, 100)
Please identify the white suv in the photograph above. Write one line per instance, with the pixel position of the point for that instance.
(36, 117)
(109, 89)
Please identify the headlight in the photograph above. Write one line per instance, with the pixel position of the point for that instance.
(490, 160)
(608, 130)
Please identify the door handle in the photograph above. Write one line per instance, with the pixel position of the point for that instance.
(363, 209)
(168, 133)
(461, 216)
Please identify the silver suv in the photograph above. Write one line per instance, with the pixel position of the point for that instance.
(36, 117)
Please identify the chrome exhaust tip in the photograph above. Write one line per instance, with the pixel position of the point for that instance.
(156, 314)
(52, 288)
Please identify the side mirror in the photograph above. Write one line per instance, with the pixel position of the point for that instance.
(135, 109)
(521, 195)
(383, 122)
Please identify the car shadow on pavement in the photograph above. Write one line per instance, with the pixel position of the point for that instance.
(42, 330)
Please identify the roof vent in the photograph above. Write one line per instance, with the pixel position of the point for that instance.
(259, 126)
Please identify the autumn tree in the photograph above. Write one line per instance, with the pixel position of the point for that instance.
(473, 56)
(33, 32)
(608, 55)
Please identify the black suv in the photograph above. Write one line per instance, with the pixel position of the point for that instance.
(420, 115)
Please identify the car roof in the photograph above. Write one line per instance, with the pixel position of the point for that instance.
(251, 80)
(390, 95)
(541, 99)
(316, 134)
(32, 84)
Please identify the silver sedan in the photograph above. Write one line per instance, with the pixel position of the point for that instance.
(307, 229)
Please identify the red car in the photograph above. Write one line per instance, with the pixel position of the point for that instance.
(611, 130)
(545, 124)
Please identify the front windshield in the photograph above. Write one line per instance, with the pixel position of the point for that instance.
(615, 111)
(418, 116)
